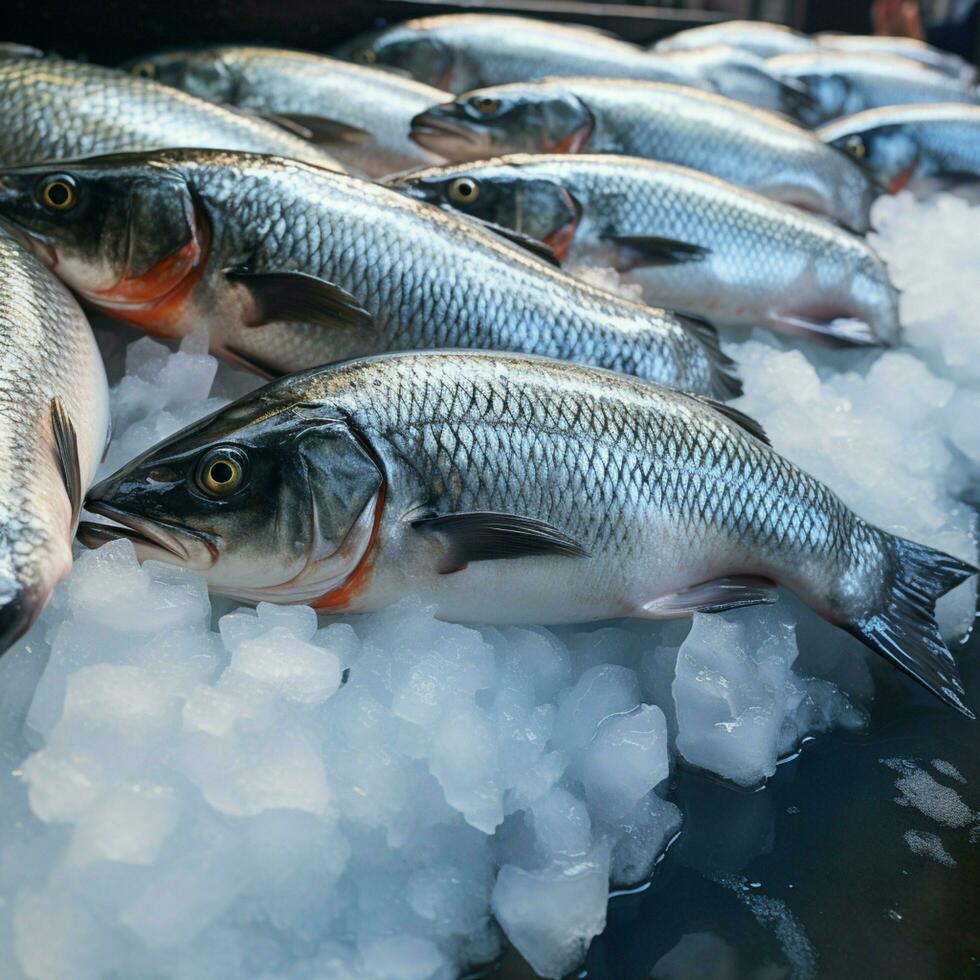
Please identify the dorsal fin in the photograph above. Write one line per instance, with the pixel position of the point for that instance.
(743, 421)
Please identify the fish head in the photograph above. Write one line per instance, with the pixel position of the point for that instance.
(407, 49)
(268, 498)
(504, 194)
(504, 119)
(204, 73)
(124, 231)
(889, 151)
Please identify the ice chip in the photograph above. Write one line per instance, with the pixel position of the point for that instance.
(298, 670)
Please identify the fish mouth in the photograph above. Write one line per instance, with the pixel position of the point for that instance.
(40, 246)
(152, 539)
(431, 128)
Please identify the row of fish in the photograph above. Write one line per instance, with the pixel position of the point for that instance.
(208, 187)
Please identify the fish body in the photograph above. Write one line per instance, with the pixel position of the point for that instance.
(460, 52)
(901, 47)
(901, 143)
(53, 109)
(54, 416)
(360, 114)
(290, 266)
(749, 147)
(502, 489)
(695, 242)
(759, 37)
(843, 82)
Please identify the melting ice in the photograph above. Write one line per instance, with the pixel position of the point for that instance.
(191, 790)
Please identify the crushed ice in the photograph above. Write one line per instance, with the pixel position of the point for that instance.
(192, 790)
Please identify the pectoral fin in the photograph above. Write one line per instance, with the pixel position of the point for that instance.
(299, 297)
(318, 129)
(651, 250)
(66, 453)
(839, 329)
(717, 595)
(491, 537)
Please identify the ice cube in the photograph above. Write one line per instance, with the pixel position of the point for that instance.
(298, 670)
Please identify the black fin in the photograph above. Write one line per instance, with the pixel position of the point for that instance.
(905, 630)
(725, 383)
(299, 297)
(66, 452)
(317, 129)
(743, 421)
(538, 248)
(652, 250)
(491, 537)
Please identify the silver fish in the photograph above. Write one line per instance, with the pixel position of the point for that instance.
(502, 488)
(52, 109)
(901, 47)
(749, 147)
(291, 266)
(54, 416)
(361, 115)
(459, 52)
(761, 38)
(693, 241)
(904, 142)
(842, 83)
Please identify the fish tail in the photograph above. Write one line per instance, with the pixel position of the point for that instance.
(904, 630)
(725, 383)
(18, 609)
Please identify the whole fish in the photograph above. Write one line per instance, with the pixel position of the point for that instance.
(749, 147)
(459, 52)
(291, 266)
(901, 47)
(360, 114)
(693, 241)
(842, 82)
(52, 109)
(503, 489)
(54, 417)
(904, 142)
(761, 38)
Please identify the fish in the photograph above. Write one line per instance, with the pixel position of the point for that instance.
(901, 47)
(757, 36)
(902, 143)
(696, 243)
(507, 489)
(460, 52)
(360, 114)
(843, 82)
(749, 147)
(54, 420)
(290, 266)
(53, 109)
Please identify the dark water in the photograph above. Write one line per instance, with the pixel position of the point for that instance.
(811, 876)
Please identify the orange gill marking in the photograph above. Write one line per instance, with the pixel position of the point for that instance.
(899, 182)
(575, 141)
(154, 300)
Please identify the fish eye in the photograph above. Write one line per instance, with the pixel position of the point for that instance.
(144, 69)
(855, 146)
(221, 471)
(464, 190)
(365, 56)
(485, 105)
(58, 193)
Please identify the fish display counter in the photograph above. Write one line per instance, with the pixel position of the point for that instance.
(484, 497)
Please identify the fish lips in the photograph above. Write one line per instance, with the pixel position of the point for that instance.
(151, 538)
(434, 128)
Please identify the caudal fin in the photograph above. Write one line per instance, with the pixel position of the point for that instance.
(905, 630)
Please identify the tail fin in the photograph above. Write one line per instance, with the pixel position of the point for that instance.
(905, 631)
(725, 384)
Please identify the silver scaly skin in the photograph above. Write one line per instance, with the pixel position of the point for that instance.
(841, 83)
(51, 109)
(373, 108)
(48, 357)
(459, 52)
(901, 47)
(761, 38)
(502, 488)
(290, 266)
(749, 147)
(901, 143)
(694, 242)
